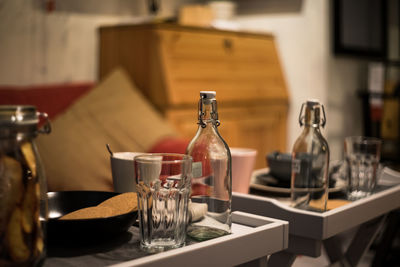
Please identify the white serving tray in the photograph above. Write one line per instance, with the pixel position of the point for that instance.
(321, 225)
(308, 229)
(253, 237)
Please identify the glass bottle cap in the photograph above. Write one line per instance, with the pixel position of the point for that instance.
(208, 94)
(312, 102)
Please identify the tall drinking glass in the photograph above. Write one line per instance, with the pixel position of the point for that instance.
(163, 188)
(362, 156)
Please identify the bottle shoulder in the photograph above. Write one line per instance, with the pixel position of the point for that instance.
(310, 140)
(208, 141)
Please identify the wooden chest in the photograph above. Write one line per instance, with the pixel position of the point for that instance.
(170, 64)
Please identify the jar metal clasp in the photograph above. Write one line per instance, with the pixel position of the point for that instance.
(46, 128)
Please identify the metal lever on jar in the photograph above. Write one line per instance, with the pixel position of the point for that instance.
(46, 128)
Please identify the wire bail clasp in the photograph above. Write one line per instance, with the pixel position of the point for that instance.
(302, 116)
(46, 128)
(213, 113)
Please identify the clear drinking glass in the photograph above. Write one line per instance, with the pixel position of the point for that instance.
(163, 187)
(362, 156)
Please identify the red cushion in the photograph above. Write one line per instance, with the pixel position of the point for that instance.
(170, 145)
(52, 99)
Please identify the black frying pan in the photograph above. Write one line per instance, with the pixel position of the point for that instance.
(63, 202)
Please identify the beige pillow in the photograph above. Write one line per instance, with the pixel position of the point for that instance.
(74, 154)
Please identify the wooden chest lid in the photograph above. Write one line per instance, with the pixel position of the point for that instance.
(239, 66)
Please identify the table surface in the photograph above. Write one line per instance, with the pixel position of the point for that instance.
(94, 252)
(323, 225)
(302, 224)
(247, 229)
(309, 231)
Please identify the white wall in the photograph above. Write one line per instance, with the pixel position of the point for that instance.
(302, 44)
(346, 76)
(311, 71)
(38, 47)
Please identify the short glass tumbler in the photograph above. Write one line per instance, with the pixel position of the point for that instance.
(362, 157)
(163, 188)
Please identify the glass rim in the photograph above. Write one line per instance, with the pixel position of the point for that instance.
(144, 158)
(364, 139)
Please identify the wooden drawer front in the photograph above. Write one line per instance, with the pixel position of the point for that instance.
(240, 68)
(262, 128)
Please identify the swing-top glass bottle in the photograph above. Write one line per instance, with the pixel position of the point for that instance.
(310, 160)
(211, 179)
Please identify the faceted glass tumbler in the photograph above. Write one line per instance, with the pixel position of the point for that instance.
(362, 157)
(163, 187)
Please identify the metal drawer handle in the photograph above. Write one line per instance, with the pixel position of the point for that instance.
(228, 44)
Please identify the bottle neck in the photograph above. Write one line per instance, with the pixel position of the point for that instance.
(312, 118)
(208, 113)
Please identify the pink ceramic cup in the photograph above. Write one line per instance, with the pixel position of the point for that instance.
(243, 160)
